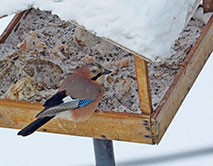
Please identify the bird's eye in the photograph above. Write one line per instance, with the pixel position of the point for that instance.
(94, 71)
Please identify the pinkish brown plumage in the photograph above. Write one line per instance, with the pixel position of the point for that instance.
(76, 99)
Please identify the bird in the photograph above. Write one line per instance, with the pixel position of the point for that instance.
(76, 99)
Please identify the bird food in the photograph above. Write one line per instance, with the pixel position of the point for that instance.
(43, 49)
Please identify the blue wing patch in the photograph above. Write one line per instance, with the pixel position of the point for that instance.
(84, 102)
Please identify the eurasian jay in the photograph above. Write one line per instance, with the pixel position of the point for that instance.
(76, 99)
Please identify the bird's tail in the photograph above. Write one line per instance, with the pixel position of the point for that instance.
(34, 126)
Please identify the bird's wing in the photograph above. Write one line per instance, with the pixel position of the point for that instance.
(61, 102)
(52, 111)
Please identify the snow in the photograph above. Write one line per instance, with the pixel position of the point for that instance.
(9, 7)
(187, 142)
(148, 28)
(4, 22)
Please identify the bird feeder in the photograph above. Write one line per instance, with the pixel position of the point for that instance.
(147, 126)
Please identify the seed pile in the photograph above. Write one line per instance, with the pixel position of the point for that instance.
(43, 49)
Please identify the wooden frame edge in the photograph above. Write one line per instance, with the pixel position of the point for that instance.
(182, 83)
(143, 85)
(103, 125)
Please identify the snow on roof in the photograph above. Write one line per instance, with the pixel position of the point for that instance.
(148, 28)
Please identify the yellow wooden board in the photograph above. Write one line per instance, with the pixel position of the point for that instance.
(143, 85)
(103, 125)
(183, 82)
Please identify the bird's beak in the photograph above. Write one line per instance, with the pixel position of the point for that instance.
(106, 72)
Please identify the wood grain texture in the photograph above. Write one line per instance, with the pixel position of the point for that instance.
(11, 26)
(103, 125)
(182, 83)
(208, 6)
(143, 85)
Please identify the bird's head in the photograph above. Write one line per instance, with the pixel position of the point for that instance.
(95, 72)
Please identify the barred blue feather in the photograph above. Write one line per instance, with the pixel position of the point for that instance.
(84, 102)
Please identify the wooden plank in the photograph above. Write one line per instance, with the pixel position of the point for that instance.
(11, 26)
(182, 82)
(103, 125)
(143, 85)
(208, 6)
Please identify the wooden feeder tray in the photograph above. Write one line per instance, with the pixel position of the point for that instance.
(147, 127)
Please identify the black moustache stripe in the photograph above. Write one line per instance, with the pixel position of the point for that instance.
(96, 77)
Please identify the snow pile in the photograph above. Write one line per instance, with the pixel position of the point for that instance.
(146, 27)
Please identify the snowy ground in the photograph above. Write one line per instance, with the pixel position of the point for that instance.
(187, 142)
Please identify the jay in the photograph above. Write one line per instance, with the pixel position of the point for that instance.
(76, 99)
